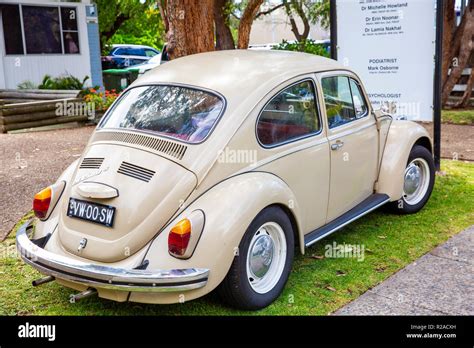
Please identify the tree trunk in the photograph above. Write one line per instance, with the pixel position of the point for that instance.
(461, 49)
(162, 6)
(449, 22)
(246, 21)
(224, 39)
(191, 27)
(294, 27)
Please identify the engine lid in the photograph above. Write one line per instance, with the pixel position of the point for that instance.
(143, 189)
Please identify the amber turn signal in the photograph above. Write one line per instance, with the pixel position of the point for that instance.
(42, 202)
(178, 238)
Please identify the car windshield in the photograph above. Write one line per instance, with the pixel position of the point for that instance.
(179, 112)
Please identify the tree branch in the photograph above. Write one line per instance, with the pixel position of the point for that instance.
(264, 13)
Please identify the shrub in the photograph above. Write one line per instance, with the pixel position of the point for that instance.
(101, 100)
(307, 45)
(27, 85)
(68, 82)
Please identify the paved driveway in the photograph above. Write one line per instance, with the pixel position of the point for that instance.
(30, 162)
(439, 283)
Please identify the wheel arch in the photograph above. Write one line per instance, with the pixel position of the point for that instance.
(402, 136)
(294, 224)
(240, 199)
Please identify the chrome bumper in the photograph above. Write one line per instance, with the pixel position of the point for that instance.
(98, 276)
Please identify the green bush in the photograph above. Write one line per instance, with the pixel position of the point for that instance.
(307, 46)
(68, 82)
(27, 85)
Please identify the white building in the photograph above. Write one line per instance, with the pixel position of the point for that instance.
(275, 27)
(48, 37)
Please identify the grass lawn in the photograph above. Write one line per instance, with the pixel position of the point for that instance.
(458, 116)
(317, 286)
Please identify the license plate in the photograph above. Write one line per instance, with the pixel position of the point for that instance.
(93, 212)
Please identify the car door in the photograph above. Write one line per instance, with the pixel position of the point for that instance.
(353, 142)
(289, 130)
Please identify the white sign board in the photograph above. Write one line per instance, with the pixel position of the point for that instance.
(390, 44)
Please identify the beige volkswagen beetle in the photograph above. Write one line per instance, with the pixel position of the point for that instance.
(210, 170)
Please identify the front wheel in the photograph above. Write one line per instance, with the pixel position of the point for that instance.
(263, 262)
(418, 182)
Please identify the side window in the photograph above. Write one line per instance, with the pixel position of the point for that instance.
(291, 114)
(150, 53)
(338, 100)
(360, 106)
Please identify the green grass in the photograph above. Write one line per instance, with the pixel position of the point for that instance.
(317, 286)
(458, 116)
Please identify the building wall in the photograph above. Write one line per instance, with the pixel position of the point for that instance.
(275, 27)
(33, 67)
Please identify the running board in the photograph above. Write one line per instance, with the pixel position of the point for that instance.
(365, 207)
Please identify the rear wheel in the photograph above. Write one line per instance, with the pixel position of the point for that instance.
(262, 266)
(418, 182)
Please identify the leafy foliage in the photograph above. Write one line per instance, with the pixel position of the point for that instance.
(68, 82)
(100, 100)
(308, 46)
(27, 85)
(318, 12)
(131, 22)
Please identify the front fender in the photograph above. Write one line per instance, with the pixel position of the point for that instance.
(229, 208)
(401, 138)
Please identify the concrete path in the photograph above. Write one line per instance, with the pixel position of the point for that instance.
(438, 283)
(31, 161)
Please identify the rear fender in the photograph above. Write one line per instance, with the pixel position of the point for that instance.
(229, 208)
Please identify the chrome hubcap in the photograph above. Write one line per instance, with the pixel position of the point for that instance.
(266, 257)
(261, 255)
(416, 181)
(412, 179)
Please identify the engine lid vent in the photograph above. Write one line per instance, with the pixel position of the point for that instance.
(167, 147)
(135, 171)
(91, 163)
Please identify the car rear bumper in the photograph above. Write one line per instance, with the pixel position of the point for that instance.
(99, 276)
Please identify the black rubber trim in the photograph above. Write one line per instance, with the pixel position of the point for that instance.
(355, 212)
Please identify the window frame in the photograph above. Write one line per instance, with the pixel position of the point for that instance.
(100, 125)
(292, 140)
(61, 31)
(364, 96)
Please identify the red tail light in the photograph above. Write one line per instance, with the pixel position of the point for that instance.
(42, 202)
(178, 238)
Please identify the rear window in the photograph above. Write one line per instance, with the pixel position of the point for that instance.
(178, 112)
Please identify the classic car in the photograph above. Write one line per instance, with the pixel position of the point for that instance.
(125, 55)
(209, 178)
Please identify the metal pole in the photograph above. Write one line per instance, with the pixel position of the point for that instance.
(333, 28)
(437, 84)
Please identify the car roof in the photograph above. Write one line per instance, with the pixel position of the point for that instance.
(233, 71)
(132, 46)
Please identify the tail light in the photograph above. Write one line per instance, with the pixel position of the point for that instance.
(184, 236)
(42, 202)
(179, 237)
(45, 200)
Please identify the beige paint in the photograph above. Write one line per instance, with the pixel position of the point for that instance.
(305, 177)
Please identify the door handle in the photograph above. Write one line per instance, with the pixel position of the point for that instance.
(337, 145)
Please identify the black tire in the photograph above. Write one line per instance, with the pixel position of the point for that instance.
(402, 206)
(235, 289)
